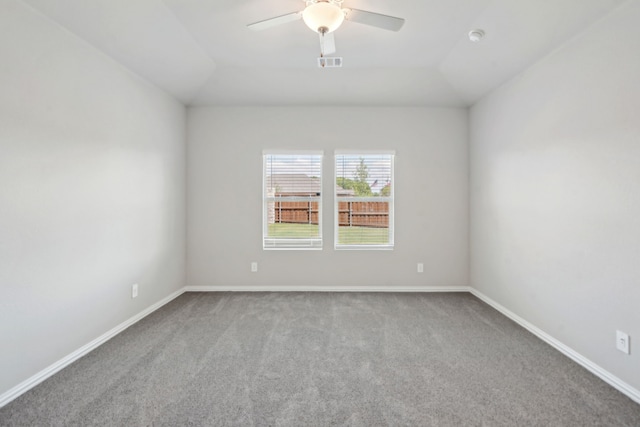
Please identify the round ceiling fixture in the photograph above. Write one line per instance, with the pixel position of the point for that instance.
(323, 17)
(476, 35)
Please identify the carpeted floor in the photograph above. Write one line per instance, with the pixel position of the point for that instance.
(361, 359)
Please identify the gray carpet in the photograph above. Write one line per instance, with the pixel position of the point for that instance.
(359, 359)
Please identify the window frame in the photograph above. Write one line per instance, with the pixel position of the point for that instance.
(389, 199)
(271, 243)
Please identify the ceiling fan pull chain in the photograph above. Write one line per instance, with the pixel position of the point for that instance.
(322, 31)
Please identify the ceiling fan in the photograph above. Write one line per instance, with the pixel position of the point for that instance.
(325, 16)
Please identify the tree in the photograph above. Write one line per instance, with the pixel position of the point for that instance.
(359, 183)
(359, 188)
(362, 172)
(362, 189)
(386, 190)
(345, 183)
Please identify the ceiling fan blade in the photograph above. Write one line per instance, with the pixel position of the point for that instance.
(272, 22)
(327, 44)
(374, 19)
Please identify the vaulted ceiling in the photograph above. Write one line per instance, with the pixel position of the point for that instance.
(202, 52)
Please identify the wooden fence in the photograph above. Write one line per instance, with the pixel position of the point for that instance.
(350, 213)
(363, 214)
(295, 212)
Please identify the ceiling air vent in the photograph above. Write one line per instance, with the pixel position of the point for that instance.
(330, 62)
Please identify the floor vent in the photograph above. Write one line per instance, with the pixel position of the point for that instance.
(330, 62)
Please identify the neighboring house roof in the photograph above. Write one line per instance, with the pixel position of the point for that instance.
(293, 184)
(342, 192)
(299, 184)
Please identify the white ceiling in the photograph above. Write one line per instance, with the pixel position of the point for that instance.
(201, 51)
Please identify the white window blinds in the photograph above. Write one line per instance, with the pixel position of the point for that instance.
(364, 200)
(292, 205)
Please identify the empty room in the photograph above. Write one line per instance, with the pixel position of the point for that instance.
(323, 212)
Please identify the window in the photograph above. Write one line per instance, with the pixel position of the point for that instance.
(292, 200)
(364, 200)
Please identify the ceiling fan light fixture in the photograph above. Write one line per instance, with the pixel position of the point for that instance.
(323, 17)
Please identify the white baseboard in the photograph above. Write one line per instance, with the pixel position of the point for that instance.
(36, 379)
(28, 384)
(603, 374)
(328, 289)
(606, 376)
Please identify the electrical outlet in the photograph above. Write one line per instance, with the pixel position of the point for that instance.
(420, 267)
(254, 267)
(134, 290)
(622, 341)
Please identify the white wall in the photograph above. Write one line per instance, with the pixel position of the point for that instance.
(555, 194)
(225, 189)
(92, 193)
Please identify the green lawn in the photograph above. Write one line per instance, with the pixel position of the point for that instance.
(346, 235)
(362, 235)
(293, 230)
